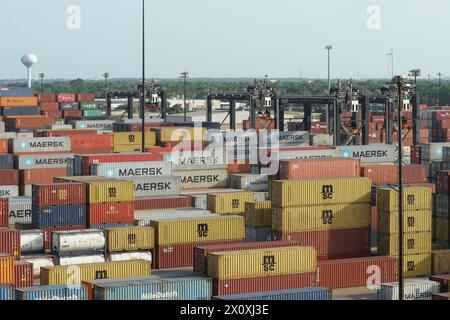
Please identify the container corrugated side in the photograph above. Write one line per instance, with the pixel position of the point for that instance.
(262, 262)
(133, 138)
(198, 229)
(23, 273)
(226, 203)
(324, 217)
(373, 153)
(10, 241)
(110, 191)
(58, 216)
(413, 221)
(52, 293)
(179, 134)
(94, 124)
(155, 186)
(312, 293)
(132, 169)
(199, 179)
(319, 168)
(414, 289)
(86, 272)
(130, 239)
(162, 202)
(6, 292)
(58, 194)
(441, 261)
(6, 269)
(18, 210)
(258, 214)
(42, 161)
(41, 145)
(9, 191)
(320, 192)
(414, 243)
(414, 198)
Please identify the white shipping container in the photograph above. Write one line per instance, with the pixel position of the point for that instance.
(163, 213)
(156, 186)
(261, 196)
(42, 161)
(31, 241)
(8, 135)
(94, 124)
(197, 160)
(65, 242)
(38, 145)
(200, 201)
(288, 153)
(297, 138)
(250, 182)
(193, 179)
(322, 140)
(84, 259)
(127, 256)
(132, 169)
(39, 262)
(19, 210)
(60, 127)
(9, 191)
(414, 289)
(374, 153)
(25, 135)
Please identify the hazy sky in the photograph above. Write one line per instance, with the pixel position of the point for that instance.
(225, 38)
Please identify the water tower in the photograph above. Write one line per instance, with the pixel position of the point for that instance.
(29, 60)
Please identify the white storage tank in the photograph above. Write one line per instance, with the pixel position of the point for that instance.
(65, 242)
(85, 259)
(31, 241)
(126, 256)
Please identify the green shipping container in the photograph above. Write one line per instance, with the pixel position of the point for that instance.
(88, 106)
(92, 113)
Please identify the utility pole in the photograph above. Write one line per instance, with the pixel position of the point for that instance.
(106, 76)
(184, 76)
(329, 48)
(428, 89)
(143, 78)
(439, 89)
(42, 76)
(391, 54)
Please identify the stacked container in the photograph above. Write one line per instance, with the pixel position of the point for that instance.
(229, 203)
(132, 141)
(417, 223)
(332, 215)
(127, 243)
(441, 217)
(258, 221)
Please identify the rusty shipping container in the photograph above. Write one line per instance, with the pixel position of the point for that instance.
(6, 269)
(319, 168)
(356, 272)
(110, 213)
(59, 194)
(9, 177)
(40, 176)
(10, 242)
(23, 274)
(165, 202)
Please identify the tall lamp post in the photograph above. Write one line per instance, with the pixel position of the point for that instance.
(439, 89)
(184, 76)
(42, 76)
(143, 78)
(329, 48)
(415, 73)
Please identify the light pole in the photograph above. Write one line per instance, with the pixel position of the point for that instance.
(439, 89)
(415, 73)
(184, 76)
(391, 54)
(143, 78)
(428, 89)
(106, 76)
(42, 76)
(329, 48)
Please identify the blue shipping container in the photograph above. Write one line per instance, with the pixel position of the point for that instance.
(16, 92)
(313, 293)
(6, 161)
(21, 111)
(75, 292)
(58, 216)
(6, 292)
(154, 288)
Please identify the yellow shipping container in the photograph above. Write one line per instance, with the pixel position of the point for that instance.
(124, 139)
(442, 228)
(413, 221)
(441, 261)
(18, 102)
(128, 149)
(287, 193)
(6, 269)
(198, 229)
(262, 262)
(179, 133)
(258, 214)
(95, 271)
(226, 203)
(130, 239)
(413, 243)
(414, 198)
(417, 265)
(110, 191)
(327, 217)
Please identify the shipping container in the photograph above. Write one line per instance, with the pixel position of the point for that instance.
(441, 261)
(413, 243)
(88, 106)
(18, 101)
(432, 151)
(6, 160)
(6, 292)
(46, 161)
(39, 261)
(110, 191)
(95, 271)
(441, 296)
(134, 138)
(6, 268)
(417, 265)
(318, 168)
(154, 288)
(319, 192)
(16, 92)
(414, 198)
(9, 191)
(253, 234)
(130, 239)
(258, 214)
(229, 203)
(85, 97)
(28, 123)
(82, 259)
(443, 280)
(49, 106)
(31, 241)
(23, 274)
(41, 145)
(149, 215)
(250, 182)
(357, 272)
(195, 179)
(442, 227)
(39, 176)
(414, 289)
(373, 153)
(59, 194)
(62, 292)
(413, 221)
(21, 111)
(10, 242)
(58, 216)
(196, 160)
(94, 124)
(82, 143)
(162, 202)
(174, 134)
(18, 209)
(325, 217)
(202, 252)
(48, 233)
(344, 243)
(132, 169)
(111, 212)
(131, 255)
(309, 294)
(66, 97)
(78, 241)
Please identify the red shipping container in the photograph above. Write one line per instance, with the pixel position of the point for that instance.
(40, 176)
(66, 97)
(92, 151)
(348, 243)
(414, 173)
(48, 233)
(87, 161)
(52, 114)
(444, 281)
(10, 242)
(85, 97)
(4, 212)
(46, 97)
(441, 115)
(263, 284)
(442, 181)
(89, 141)
(56, 194)
(318, 168)
(235, 168)
(179, 255)
(378, 119)
(3, 145)
(13, 124)
(201, 252)
(9, 177)
(415, 154)
(49, 106)
(67, 133)
(23, 274)
(109, 213)
(356, 272)
(71, 113)
(165, 202)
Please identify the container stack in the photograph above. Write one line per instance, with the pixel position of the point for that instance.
(332, 215)
(229, 203)
(258, 221)
(441, 217)
(7, 277)
(431, 155)
(417, 223)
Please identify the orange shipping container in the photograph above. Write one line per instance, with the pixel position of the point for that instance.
(18, 101)
(239, 168)
(49, 106)
(28, 122)
(380, 174)
(89, 141)
(6, 269)
(319, 168)
(3, 145)
(40, 176)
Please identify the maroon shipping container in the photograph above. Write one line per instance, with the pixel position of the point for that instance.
(23, 274)
(444, 280)
(66, 133)
(180, 255)
(66, 97)
(165, 202)
(441, 296)
(40, 176)
(110, 213)
(380, 174)
(10, 241)
(442, 181)
(49, 106)
(414, 173)
(32, 122)
(201, 252)
(9, 177)
(348, 243)
(85, 97)
(87, 161)
(56, 194)
(262, 284)
(4, 212)
(356, 272)
(48, 233)
(318, 168)
(71, 113)
(52, 114)
(441, 115)
(46, 97)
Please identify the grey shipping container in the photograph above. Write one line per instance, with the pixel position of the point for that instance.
(132, 169)
(94, 124)
(288, 138)
(69, 106)
(39, 145)
(39, 261)
(374, 153)
(2, 127)
(20, 111)
(196, 160)
(249, 182)
(42, 161)
(8, 135)
(6, 161)
(156, 186)
(313, 293)
(306, 153)
(9, 191)
(19, 210)
(414, 289)
(192, 179)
